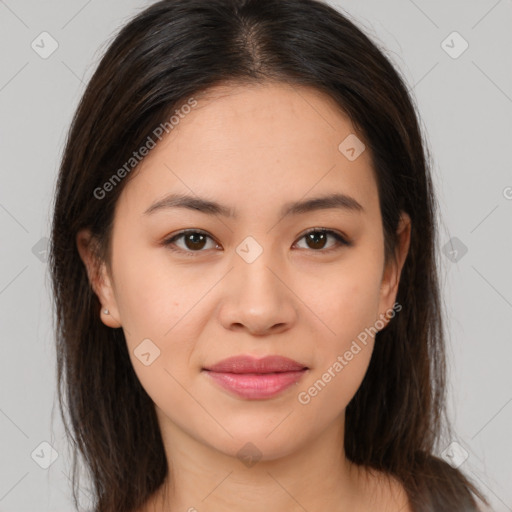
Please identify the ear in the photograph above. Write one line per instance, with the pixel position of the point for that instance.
(391, 274)
(99, 278)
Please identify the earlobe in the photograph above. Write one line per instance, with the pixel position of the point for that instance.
(98, 277)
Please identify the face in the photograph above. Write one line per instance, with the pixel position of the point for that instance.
(251, 279)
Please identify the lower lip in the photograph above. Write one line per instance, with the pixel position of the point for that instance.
(255, 386)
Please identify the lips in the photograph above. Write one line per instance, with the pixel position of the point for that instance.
(251, 378)
(249, 364)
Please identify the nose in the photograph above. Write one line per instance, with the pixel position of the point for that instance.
(257, 298)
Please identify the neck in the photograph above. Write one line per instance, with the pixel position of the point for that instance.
(316, 477)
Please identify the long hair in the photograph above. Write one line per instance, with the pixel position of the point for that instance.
(168, 53)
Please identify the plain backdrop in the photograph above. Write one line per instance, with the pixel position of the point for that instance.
(462, 84)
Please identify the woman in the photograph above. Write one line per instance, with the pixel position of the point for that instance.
(243, 262)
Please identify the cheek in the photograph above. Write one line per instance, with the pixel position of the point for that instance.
(338, 373)
(348, 304)
(152, 296)
(153, 311)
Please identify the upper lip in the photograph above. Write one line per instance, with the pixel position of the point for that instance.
(250, 364)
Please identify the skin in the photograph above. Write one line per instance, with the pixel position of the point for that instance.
(253, 148)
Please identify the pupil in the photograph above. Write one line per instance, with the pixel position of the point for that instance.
(196, 240)
(314, 238)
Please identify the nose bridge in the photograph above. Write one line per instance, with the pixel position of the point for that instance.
(255, 296)
(253, 266)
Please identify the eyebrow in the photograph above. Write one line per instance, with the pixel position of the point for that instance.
(338, 201)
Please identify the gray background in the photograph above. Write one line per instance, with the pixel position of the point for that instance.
(465, 105)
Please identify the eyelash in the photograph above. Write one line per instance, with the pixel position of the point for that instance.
(341, 241)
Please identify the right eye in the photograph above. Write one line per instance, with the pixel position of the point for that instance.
(194, 241)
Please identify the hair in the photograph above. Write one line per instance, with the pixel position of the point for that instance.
(168, 53)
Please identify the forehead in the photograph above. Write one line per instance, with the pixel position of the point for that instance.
(255, 142)
(276, 114)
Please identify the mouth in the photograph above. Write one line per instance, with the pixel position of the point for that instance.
(251, 378)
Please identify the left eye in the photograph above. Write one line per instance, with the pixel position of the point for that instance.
(319, 236)
(196, 240)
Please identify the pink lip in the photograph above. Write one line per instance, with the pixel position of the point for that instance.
(248, 377)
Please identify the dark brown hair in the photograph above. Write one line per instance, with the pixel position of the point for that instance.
(168, 53)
